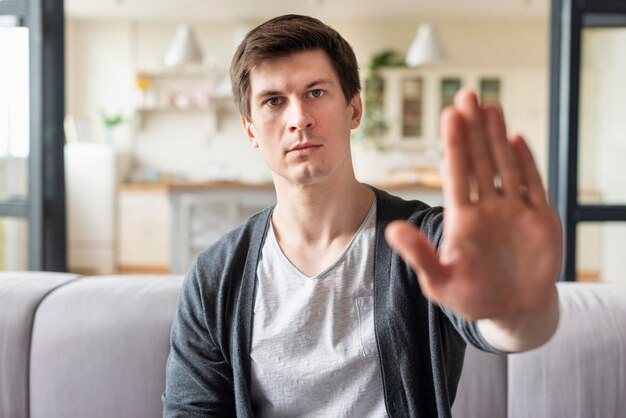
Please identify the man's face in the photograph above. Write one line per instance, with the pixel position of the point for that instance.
(300, 119)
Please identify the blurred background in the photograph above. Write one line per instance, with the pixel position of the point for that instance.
(156, 165)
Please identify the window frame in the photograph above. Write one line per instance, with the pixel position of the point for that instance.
(568, 20)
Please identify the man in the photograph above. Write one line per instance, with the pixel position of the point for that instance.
(306, 310)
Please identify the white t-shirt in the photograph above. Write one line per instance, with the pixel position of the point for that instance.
(314, 352)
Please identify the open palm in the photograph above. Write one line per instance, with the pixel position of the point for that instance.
(502, 245)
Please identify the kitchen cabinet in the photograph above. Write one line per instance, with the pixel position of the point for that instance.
(164, 226)
(144, 224)
(202, 213)
(411, 99)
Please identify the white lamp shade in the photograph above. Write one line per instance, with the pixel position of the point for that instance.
(425, 48)
(184, 48)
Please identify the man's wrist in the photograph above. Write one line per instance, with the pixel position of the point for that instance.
(524, 330)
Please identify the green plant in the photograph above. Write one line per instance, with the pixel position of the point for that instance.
(374, 123)
(111, 121)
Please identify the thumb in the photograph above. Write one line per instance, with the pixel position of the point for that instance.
(417, 251)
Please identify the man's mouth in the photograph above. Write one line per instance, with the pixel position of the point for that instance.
(302, 149)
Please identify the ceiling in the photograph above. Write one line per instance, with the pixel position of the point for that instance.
(237, 10)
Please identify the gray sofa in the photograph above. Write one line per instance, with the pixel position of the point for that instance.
(96, 347)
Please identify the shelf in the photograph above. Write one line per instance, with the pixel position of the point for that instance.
(193, 91)
(175, 74)
(172, 109)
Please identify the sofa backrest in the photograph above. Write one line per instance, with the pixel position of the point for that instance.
(482, 391)
(20, 295)
(99, 348)
(581, 371)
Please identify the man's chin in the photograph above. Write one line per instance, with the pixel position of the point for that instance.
(307, 177)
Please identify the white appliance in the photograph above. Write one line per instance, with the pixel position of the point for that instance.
(90, 176)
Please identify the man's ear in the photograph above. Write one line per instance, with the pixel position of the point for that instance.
(247, 126)
(357, 110)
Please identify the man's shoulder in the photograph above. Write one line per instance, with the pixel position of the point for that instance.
(415, 211)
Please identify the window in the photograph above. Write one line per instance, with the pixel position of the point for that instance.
(32, 184)
(14, 113)
(588, 120)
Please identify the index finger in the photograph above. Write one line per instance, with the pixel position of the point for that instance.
(455, 169)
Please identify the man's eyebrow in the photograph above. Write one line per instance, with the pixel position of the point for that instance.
(318, 82)
(269, 93)
(266, 93)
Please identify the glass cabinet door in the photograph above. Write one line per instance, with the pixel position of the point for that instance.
(490, 90)
(412, 106)
(449, 87)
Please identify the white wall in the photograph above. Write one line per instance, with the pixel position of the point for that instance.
(103, 55)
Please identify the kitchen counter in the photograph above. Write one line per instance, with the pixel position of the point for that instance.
(198, 213)
(210, 185)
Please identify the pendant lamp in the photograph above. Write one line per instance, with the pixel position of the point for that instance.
(184, 48)
(425, 48)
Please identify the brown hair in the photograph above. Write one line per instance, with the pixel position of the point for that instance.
(285, 35)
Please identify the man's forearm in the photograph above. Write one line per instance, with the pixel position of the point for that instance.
(525, 331)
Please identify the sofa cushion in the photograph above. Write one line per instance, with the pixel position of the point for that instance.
(581, 371)
(100, 347)
(483, 386)
(20, 295)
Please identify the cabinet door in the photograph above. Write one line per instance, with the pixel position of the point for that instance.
(412, 108)
(489, 89)
(144, 230)
(406, 97)
(448, 87)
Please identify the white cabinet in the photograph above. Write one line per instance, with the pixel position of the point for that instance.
(201, 215)
(411, 100)
(143, 229)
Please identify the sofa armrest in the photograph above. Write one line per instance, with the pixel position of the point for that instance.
(100, 347)
(20, 296)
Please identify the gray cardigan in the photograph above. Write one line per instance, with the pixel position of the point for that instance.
(421, 346)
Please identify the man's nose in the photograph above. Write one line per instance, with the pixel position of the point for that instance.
(300, 117)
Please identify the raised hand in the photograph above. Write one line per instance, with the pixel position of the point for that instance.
(501, 248)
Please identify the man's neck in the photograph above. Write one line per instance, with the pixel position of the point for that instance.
(314, 223)
(321, 211)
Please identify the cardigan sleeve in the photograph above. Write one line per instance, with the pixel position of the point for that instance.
(431, 224)
(199, 379)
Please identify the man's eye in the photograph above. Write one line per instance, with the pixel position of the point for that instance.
(317, 93)
(274, 101)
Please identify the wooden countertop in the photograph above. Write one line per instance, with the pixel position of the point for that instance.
(208, 185)
(193, 185)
